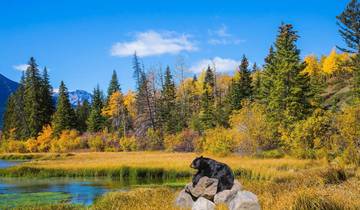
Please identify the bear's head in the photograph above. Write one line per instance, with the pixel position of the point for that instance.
(197, 163)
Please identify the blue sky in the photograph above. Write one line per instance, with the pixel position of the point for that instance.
(82, 41)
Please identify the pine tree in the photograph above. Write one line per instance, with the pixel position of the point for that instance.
(349, 23)
(168, 103)
(82, 114)
(33, 99)
(47, 103)
(64, 117)
(96, 120)
(241, 85)
(113, 86)
(288, 99)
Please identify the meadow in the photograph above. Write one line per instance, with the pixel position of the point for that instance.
(284, 183)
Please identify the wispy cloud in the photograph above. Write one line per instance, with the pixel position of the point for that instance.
(21, 67)
(221, 36)
(151, 43)
(221, 64)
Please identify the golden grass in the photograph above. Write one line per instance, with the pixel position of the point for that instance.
(175, 161)
(291, 184)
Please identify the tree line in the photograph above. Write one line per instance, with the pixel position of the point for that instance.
(285, 106)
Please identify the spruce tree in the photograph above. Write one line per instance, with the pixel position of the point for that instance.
(82, 114)
(288, 99)
(113, 86)
(64, 117)
(207, 104)
(256, 82)
(168, 103)
(47, 104)
(96, 121)
(14, 114)
(241, 85)
(267, 77)
(349, 23)
(33, 99)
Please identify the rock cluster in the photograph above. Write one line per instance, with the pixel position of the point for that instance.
(204, 197)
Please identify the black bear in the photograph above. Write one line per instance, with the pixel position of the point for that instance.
(213, 169)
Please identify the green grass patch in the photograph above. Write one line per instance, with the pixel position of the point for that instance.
(35, 156)
(20, 200)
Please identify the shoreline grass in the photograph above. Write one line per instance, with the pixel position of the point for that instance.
(279, 183)
(150, 165)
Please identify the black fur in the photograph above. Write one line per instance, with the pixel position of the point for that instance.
(213, 169)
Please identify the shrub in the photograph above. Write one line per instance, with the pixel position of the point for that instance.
(14, 146)
(128, 143)
(44, 139)
(348, 124)
(252, 129)
(181, 142)
(96, 143)
(154, 140)
(69, 140)
(313, 135)
(219, 141)
(32, 145)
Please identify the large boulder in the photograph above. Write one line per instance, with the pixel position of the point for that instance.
(203, 204)
(226, 195)
(244, 200)
(184, 200)
(206, 187)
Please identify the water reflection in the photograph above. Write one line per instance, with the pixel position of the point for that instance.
(6, 163)
(82, 190)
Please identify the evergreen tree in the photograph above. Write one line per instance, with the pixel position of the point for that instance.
(168, 103)
(64, 117)
(47, 103)
(138, 71)
(113, 86)
(267, 77)
(349, 23)
(207, 104)
(96, 120)
(14, 119)
(241, 85)
(82, 114)
(288, 99)
(33, 99)
(256, 82)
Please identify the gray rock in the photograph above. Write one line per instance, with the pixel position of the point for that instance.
(203, 204)
(244, 200)
(206, 187)
(227, 195)
(184, 200)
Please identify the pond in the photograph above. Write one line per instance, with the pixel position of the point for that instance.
(14, 191)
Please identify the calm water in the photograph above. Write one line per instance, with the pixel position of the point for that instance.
(82, 190)
(5, 163)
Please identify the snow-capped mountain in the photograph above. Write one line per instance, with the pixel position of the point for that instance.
(75, 97)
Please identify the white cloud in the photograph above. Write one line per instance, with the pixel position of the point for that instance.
(153, 43)
(21, 67)
(221, 36)
(221, 64)
(221, 32)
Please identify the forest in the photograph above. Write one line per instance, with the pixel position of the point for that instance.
(307, 108)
